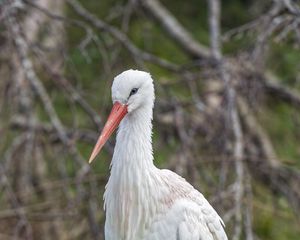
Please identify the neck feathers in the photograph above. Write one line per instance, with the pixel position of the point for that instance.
(132, 172)
(134, 141)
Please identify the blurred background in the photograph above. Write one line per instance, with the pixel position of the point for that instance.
(227, 78)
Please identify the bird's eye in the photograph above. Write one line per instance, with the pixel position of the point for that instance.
(133, 91)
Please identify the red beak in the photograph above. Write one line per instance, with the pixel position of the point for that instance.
(117, 113)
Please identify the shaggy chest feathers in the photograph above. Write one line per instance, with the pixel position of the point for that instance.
(137, 199)
(129, 204)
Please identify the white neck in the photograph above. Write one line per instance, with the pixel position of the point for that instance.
(134, 141)
(132, 172)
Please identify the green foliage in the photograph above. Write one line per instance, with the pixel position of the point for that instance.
(282, 123)
(266, 209)
(285, 59)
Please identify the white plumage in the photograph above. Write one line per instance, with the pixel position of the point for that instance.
(143, 202)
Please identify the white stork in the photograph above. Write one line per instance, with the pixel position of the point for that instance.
(141, 201)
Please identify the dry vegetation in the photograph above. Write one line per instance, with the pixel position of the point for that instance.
(226, 115)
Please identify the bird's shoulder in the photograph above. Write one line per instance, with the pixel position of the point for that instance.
(177, 186)
(191, 200)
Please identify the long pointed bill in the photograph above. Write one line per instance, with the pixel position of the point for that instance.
(117, 113)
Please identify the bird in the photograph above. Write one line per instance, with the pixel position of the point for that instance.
(141, 201)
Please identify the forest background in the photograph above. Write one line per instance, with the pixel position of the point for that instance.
(227, 78)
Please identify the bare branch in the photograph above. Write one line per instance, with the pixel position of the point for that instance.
(47, 129)
(121, 37)
(268, 168)
(280, 91)
(238, 148)
(214, 21)
(175, 29)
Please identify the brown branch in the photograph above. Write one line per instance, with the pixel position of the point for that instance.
(268, 168)
(279, 179)
(280, 91)
(23, 218)
(235, 124)
(27, 66)
(214, 23)
(20, 123)
(40, 90)
(176, 31)
(121, 37)
(63, 82)
(248, 208)
(256, 129)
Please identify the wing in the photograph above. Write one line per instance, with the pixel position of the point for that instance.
(183, 221)
(195, 217)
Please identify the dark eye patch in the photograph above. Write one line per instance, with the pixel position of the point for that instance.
(133, 91)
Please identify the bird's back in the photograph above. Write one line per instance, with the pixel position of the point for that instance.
(183, 213)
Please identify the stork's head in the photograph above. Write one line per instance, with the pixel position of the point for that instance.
(132, 91)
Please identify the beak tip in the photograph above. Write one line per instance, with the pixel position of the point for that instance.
(91, 159)
(95, 152)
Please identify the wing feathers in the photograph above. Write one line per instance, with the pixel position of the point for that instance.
(201, 221)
